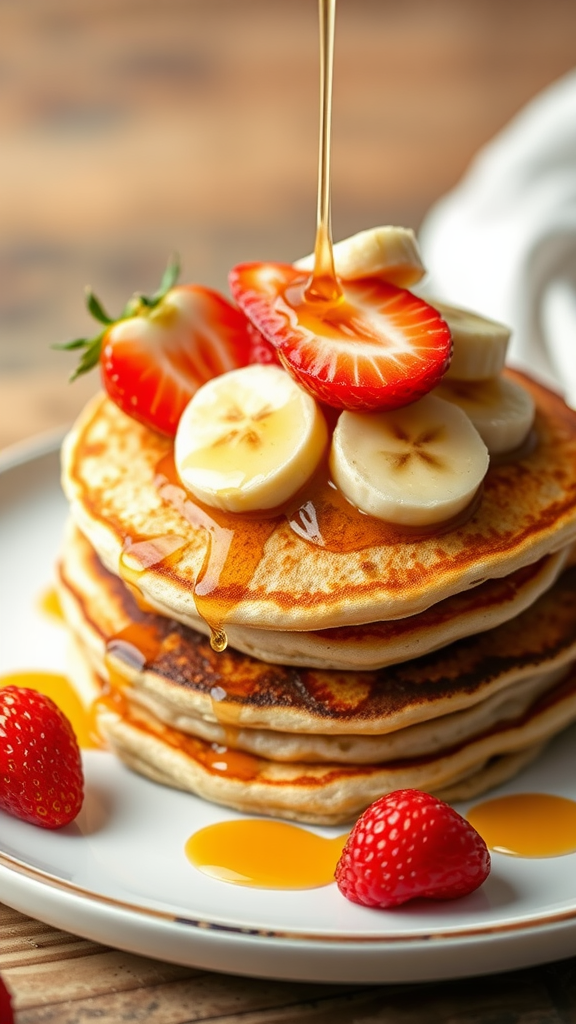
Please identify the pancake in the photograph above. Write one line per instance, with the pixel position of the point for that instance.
(412, 741)
(99, 608)
(175, 667)
(326, 794)
(320, 564)
(494, 772)
(347, 647)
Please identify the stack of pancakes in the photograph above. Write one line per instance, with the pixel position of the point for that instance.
(360, 658)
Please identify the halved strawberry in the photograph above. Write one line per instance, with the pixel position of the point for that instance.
(162, 348)
(378, 347)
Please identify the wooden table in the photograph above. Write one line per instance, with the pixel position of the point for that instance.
(59, 979)
(130, 129)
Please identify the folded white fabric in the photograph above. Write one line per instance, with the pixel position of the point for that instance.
(503, 243)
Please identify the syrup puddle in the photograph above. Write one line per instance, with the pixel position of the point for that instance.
(49, 605)
(62, 692)
(527, 824)
(265, 854)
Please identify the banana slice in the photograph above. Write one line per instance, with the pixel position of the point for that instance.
(387, 252)
(249, 439)
(501, 410)
(415, 466)
(480, 345)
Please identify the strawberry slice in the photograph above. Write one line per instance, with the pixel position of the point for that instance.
(162, 348)
(378, 347)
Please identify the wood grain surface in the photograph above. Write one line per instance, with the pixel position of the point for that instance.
(130, 129)
(58, 979)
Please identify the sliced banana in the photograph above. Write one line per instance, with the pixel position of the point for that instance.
(501, 410)
(387, 252)
(414, 466)
(249, 439)
(480, 345)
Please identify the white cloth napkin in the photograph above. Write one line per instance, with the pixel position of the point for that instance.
(503, 243)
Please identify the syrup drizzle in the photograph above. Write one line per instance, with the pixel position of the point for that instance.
(139, 556)
(136, 646)
(234, 548)
(216, 758)
(319, 514)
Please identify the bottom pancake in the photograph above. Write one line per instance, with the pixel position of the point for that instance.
(495, 772)
(327, 794)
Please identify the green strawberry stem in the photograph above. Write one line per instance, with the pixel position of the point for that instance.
(138, 305)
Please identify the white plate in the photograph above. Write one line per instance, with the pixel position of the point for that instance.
(119, 874)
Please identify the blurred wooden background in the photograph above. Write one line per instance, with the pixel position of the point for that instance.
(132, 128)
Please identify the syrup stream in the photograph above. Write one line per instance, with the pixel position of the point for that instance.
(324, 286)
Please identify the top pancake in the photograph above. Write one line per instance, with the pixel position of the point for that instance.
(364, 647)
(269, 574)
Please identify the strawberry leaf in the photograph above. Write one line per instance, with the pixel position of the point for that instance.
(90, 356)
(69, 346)
(96, 309)
(169, 278)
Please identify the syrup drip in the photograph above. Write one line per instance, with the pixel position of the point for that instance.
(527, 824)
(214, 757)
(61, 691)
(139, 556)
(233, 552)
(218, 639)
(265, 854)
(324, 286)
(139, 646)
(136, 645)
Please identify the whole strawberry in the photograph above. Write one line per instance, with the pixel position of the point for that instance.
(41, 777)
(163, 347)
(409, 844)
(6, 1015)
